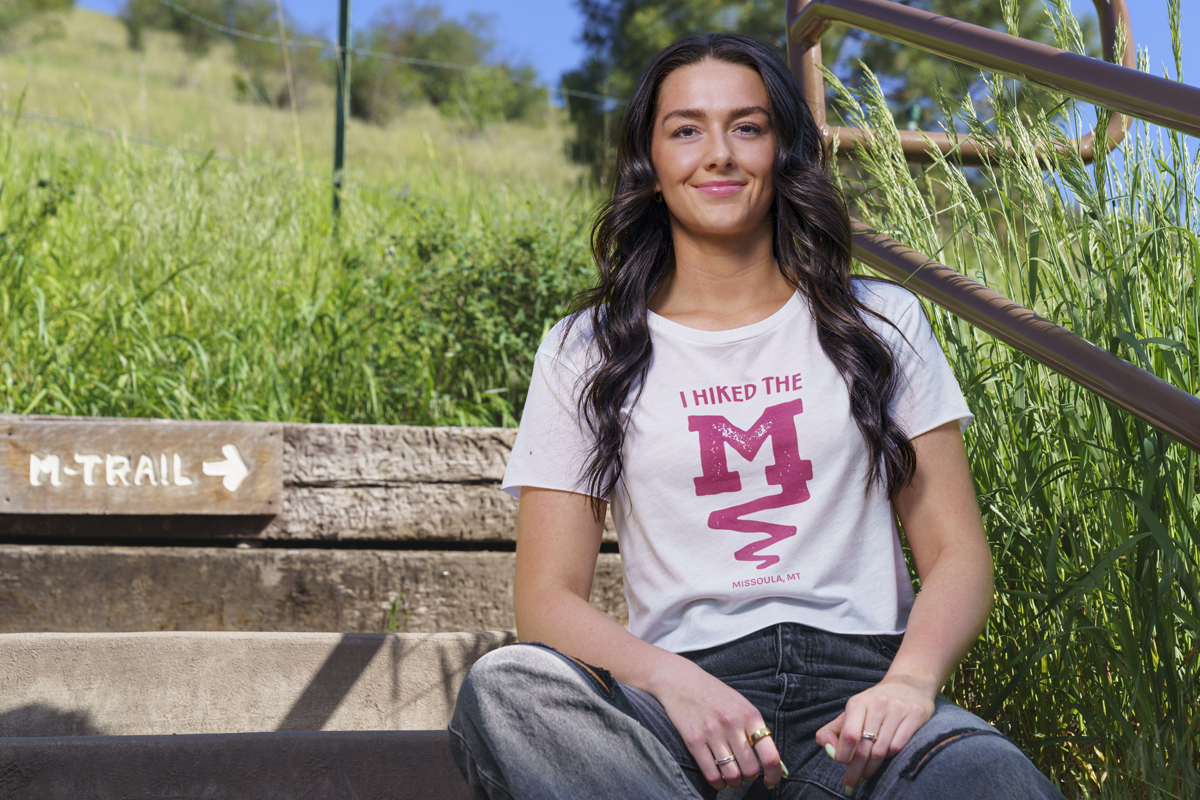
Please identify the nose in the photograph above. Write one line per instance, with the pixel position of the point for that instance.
(720, 156)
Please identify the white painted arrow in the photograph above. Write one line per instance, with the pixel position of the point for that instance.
(233, 468)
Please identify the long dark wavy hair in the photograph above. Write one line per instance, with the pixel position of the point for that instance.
(634, 252)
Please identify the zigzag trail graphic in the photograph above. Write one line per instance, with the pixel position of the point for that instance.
(789, 472)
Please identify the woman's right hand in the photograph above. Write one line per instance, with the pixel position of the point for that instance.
(715, 722)
(558, 538)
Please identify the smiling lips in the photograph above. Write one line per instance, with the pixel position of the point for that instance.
(719, 188)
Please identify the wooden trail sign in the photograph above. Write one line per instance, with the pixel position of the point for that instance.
(77, 466)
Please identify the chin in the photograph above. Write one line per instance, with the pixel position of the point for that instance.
(725, 227)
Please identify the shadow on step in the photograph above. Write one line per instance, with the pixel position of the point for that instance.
(314, 765)
(38, 719)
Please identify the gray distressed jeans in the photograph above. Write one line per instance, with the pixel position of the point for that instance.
(532, 724)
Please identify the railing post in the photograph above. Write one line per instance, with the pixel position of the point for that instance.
(804, 65)
(343, 100)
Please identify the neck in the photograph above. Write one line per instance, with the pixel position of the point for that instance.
(722, 282)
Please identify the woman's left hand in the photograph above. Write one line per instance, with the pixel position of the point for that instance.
(893, 709)
(941, 522)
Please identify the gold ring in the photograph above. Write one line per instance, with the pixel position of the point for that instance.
(761, 733)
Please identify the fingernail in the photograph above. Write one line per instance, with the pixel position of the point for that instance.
(831, 751)
(783, 767)
(848, 791)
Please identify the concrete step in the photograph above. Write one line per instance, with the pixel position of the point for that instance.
(391, 765)
(80, 684)
(98, 588)
(198, 715)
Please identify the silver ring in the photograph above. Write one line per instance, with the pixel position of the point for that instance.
(870, 737)
(722, 762)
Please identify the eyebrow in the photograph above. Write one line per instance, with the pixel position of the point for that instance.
(695, 113)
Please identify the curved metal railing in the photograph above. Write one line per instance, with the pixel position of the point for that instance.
(1120, 88)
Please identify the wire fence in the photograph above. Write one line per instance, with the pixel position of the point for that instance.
(323, 44)
(195, 152)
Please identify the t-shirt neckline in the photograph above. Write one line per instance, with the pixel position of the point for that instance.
(660, 324)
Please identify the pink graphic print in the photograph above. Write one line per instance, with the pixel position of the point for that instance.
(789, 472)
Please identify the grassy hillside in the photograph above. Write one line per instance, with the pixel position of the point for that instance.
(144, 282)
(81, 68)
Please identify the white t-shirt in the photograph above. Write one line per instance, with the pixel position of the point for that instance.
(743, 501)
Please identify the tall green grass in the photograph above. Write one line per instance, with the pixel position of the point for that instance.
(1090, 659)
(140, 283)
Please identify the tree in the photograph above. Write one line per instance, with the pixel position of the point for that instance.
(13, 12)
(480, 91)
(910, 77)
(139, 15)
(622, 36)
(261, 64)
(263, 71)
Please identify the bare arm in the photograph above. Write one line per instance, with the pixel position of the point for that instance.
(558, 540)
(940, 516)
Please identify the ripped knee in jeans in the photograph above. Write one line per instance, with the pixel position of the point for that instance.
(919, 759)
(598, 675)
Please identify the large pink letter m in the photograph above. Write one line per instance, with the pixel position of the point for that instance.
(789, 472)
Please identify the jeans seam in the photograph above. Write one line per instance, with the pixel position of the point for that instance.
(496, 790)
(817, 784)
(781, 678)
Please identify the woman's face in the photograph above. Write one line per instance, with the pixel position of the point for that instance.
(713, 149)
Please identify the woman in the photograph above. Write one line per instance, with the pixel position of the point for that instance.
(767, 587)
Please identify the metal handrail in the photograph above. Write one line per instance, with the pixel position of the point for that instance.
(1114, 86)
(1146, 396)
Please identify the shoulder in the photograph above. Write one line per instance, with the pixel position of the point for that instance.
(571, 343)
(890, 300)
(896, 315)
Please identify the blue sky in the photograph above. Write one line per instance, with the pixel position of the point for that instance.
(541, 32)
(545, 32)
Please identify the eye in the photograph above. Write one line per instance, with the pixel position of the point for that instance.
(685, 131)
(748, 128)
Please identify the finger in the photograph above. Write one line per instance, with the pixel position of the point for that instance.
(707, 763)
(732, 773)
(773, 768)
(873, 720)
(904, 732)
(747, 763)
(880, 748)
(724, 762)
(872, 723)
(829, 733)
(851, 733)
(854, 771)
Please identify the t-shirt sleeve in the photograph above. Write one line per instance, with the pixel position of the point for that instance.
(928, 395)
(553, 443)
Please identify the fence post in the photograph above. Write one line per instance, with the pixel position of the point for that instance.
(343, 100)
